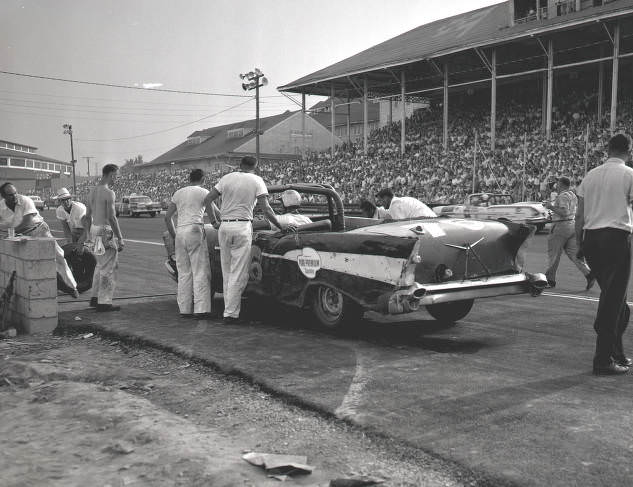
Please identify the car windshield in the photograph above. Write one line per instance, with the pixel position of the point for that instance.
(35, 198)
(141, 199)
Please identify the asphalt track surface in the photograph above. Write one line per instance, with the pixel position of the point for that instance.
(507, 392)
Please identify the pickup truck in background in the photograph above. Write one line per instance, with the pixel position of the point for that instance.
(136, 205)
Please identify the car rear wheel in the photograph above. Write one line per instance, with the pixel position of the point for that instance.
(450, 312)
(333, 310)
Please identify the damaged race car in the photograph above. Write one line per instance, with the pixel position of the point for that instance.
(340, 266)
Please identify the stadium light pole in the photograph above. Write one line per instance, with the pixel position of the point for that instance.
(255, 80)
(68, 129)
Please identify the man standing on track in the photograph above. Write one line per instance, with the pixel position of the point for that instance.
(240, 192)
(604, 222)
(563, 233)
(192, 255)
(102, 228)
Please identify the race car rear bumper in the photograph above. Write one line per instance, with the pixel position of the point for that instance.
(412, 297)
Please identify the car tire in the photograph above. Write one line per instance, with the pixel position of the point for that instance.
(333, 310)
(449, 313)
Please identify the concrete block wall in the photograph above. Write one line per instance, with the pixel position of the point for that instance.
(33, 306)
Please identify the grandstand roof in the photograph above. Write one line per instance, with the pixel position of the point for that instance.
(215, 141)
(487, 26)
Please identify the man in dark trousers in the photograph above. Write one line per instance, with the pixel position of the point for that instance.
(604, 222)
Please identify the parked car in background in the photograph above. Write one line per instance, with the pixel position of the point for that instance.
(340, 266)
(39, 202)
(491, 206)
(136, 205)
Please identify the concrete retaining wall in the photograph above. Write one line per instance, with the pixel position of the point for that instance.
(33, 307)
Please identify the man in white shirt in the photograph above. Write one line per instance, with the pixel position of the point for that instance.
(18, 211)
(240, 192)
(401, 208)
(291, 201)
(604, 222)
(370, 210)
(70, 213)
(192, 255)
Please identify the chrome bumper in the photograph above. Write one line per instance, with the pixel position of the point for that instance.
(411, 298)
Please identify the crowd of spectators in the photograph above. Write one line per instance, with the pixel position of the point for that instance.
(522, 164)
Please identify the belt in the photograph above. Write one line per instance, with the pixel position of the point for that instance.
(236, 220)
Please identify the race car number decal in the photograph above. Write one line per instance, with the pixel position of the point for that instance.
(309, 262)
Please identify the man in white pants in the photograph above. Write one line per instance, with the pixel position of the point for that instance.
(192, 255)
(240, 192)
(101, 227)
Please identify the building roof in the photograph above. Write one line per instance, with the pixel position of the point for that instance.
(482, 27)
(28, 155)
(215, 141)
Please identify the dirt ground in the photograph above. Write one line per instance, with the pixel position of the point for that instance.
(92, 411)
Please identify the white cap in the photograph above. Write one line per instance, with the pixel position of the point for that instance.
(291, 197)
(63, 194)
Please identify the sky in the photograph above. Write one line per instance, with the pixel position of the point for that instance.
(184, 45)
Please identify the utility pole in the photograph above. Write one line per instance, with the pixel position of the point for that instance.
(68, 129)
(256, 80)
(87, 158)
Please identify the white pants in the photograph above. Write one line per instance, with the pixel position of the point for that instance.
(104, 278)
(194, 270)
(235, 254)
(61, 265)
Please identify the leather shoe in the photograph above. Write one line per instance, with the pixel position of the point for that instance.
(611, 369)
(624, 361)
(205, 316)
(591, 280)
(186, 315)
(231, 320)
(93, 302)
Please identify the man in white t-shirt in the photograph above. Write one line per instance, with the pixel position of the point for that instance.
(192, 255)
(401, 208)
(70, 213)
(604, 222)
(291, 201)
(240, 192)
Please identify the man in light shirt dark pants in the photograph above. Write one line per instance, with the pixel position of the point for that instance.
(604, 222)
(240, 191)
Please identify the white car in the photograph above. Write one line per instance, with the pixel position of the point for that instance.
(495, 206)
(39, 202)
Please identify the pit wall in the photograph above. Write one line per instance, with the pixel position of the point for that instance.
(33, 306)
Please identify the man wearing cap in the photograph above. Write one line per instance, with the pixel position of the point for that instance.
(401, 208)
(70, 213)
(18, 211)
(241, 191)
(291, 201)
(604, 222)
(563, 234)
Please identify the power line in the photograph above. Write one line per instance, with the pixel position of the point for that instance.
(169, 129)
(127, 87)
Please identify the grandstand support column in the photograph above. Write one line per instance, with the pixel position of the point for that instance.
(365, 134)
(493, 102)
(403, 115)
(303, 132)
(614, 78)
(550, 88)
(332, 118)
(600, 89)
(445, 107)
(349, 120)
